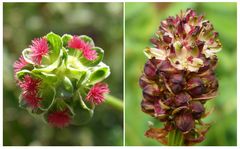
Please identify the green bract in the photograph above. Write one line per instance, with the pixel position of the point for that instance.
(66, 77)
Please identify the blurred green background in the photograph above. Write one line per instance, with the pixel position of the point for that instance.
(25, 21)
(142, 21)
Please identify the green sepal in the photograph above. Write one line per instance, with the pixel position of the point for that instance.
(50, 67)
(22, 103)
(99, 73)
(88, 63)
(83, 112)
(48, 94)
(75, 73)
(46, 77)
(27, 55)
(22, 73)
(87, 40)
(65, 39)
(65, 89)
(55, 43)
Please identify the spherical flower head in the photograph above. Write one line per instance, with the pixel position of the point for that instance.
(19, 64)
(39, 49)
(184, 40)
(97, 92)
(59, 119)
(79, 44)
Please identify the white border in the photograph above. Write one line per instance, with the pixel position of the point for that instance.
(124, 75)
(164, 147)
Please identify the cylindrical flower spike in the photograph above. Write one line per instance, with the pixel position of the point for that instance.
(179, 76)
(59, 76)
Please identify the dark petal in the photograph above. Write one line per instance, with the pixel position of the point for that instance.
(154, 41)
(147, 107)
(180, 27)
(200, 45)
(195, 87)
(177, 78)
(150, 70)
(166, 66)
(176, 88)
(182, 98)
(143, 81)
(197, 109)
(151, 92)
(184, 122)
(167, 39)
(210, 83)
(176, 83)
(195, 31)
(159, 112)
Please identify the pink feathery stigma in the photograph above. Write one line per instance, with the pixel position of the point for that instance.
(59, 118)
(79, 44)
(39, 49)
(31, 99)
(29, 84)
(19, 64)
(90, 54)
(30, 88)
(97, 92)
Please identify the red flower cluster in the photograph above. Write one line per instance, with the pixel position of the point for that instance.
(18, 65)
(79, 44)
(39, 48)
(97, 92)
(30, 89)
(59, 118)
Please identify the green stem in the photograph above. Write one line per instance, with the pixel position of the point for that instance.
(175, 138)
(114, 102)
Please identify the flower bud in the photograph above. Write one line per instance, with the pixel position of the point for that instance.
(197, 109)
(184, 122)
(176, 83)
(182, 98)
(151, 92)
(195, 87)
(150, 70)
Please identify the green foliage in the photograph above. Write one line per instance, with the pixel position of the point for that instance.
(142, 21)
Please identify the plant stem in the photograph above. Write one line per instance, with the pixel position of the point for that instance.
(175, 138)
(114, 102)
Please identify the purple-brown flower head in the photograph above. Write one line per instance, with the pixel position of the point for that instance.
(179, 78)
